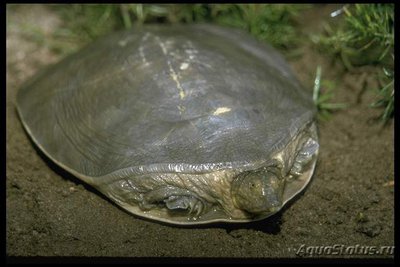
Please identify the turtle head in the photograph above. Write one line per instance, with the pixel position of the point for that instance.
(259, 191)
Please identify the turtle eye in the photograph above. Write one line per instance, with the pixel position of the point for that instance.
(255, 184)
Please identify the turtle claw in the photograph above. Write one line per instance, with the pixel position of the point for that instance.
(174, 199)
(194, 206)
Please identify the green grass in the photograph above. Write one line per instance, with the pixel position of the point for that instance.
(274, 23)
(385, 95)
(366, 37)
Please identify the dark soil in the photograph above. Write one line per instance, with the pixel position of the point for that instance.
(350, 201)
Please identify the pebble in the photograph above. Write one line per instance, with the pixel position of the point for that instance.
(15, 184)
(72, 189)
(370, 229)
(367, 226)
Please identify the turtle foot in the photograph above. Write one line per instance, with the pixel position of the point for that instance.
(175, 199)
(305, 155)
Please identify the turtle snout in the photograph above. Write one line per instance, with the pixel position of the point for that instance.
(258, 191)
(273, 199)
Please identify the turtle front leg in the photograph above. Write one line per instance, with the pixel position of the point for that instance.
(175, 199)
(304, 156)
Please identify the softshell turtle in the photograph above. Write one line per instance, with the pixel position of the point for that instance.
(181, 124)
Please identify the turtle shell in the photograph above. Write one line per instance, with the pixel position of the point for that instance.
(165, 99)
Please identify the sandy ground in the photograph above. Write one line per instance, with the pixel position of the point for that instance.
(350, 201)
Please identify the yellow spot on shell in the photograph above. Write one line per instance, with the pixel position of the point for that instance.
(221, 110)
(178, 84)
(184, 66)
